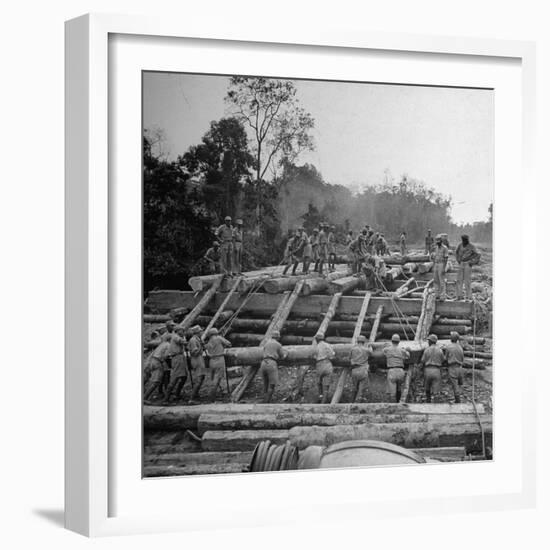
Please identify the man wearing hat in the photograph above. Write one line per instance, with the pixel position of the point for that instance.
(215, 350)
(440, 256)
(238, 247)
(178, 361)
(272, 351)
(396, 357)
(331, 247)
(359, 360)
(224, 234)
(454, 356)
(432, 361)
(467, 256)
(212, 258)
(323, 354)
(196, 359)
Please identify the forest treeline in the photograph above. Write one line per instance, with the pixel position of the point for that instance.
(254, 174)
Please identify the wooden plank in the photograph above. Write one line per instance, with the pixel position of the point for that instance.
(341, 384)
(222, 307)
(241, 440)
(201, 305)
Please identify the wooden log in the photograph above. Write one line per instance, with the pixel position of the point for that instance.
(200, 458)
(376, 324)
(435, 329)
(479, 354)
(264, 304)
(280, 284)
(443, 454)
(427, 314)
(202, 282)
(425, 267)
(448, 321)
(409, 434)
(409, 267)
(242, 440)
(404, 288)
(178, 418)
(165, 470)
(340, 385)
(400, 260)
(471, 363)
(222, 307)
(330, 313)
(156, 318)
(286, 339)
(203, 302)
(346, 284)
(321, 284)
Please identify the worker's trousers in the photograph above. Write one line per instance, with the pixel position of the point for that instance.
(439, 279)
(464, 281)
(226, 258)
(237, 257)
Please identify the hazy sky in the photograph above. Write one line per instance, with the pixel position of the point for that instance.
(442, 136)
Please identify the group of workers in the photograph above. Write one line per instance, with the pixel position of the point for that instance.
(226, 253)
(179, 355)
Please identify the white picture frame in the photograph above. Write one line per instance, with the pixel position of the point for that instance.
(93, 434)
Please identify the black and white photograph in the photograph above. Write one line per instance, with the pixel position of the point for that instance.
(317, 274)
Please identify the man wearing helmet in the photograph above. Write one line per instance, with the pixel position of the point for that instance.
(323, 354)
(396, 357)
(432, 361)
(215, 350)
(359, 360)
(224, 234)
(272, 351)
(238, 247)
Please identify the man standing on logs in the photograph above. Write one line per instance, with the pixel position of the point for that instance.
(356, 252)
(359, 360)
(395, 362)
(224, 234)
(307, 254)
(403, 243)
(331, 245)
(432, 361)
(269, 369)
(429, 242)
(440, 256)
(196, 353)
(323, 246)
(238, 247)
(454, 355)
(323, 354)
(315, 249)
(466, 257)
(296, 250)
(178, 361)
(212, 258)
(215, 350)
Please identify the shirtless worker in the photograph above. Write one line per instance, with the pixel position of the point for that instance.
(196, 359)
(179, 373)
(215, 350)
(359, 360)
(323, 354)
(432, 362)
(395, 361)
(224, 234)
(439, 256)
(238, 247)
(272, 351)
(454, 356)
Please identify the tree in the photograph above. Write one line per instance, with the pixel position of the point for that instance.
(222, 163)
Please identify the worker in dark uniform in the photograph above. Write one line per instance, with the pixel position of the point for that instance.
(454, 356)
(429, 242)
(212, 258)
(272, 352)
(215, 350)
(359, 360)
(331, 246)
(238, 247)
(224, 234)
(178, 361)
(196, 359)
(395, 361)
(323, 354)
(439, 256)
(466, 256)
(432, 362)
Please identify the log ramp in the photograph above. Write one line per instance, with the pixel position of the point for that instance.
(229, 432)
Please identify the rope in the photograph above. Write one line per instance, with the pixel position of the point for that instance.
(396, 308)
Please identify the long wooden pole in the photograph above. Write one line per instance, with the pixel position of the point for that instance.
(341, 384)
(222, 307)
(203, 302)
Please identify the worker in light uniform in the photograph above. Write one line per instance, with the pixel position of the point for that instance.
(454, 356)
(331, 247)
(359, 361)
(215, 351)
(238, 247)
(323, 354)
(466, 256)
(307, 253)
(158, 366)
(356, 251)
(432, 362)
(178, 361)
(323, 247)
(296, 251)
(396, 357)
(315, 249)
(384, 245)
(212, 258)
(429, 242)
(403, 243)
(439, 256)
(196, 359)
(224, 234)
(272, 352)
